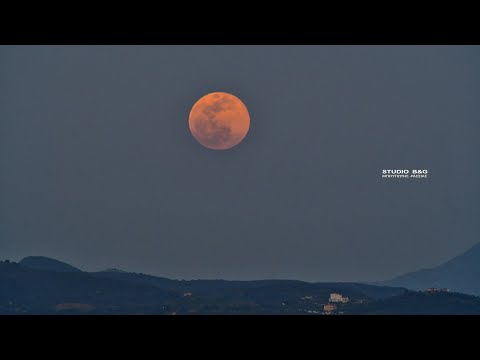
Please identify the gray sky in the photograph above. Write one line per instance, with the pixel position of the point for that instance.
(98, 167)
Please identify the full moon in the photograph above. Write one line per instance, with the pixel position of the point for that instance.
(219, 121)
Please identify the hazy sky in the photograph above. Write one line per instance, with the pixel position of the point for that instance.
(98, 167)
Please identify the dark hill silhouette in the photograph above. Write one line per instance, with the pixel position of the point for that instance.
(45, 263)
(137, 278)
(422, 303)
(29, 290)
(460, 274)
(32, 290)
(237, 288)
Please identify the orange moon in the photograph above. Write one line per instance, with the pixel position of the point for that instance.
(219, 121)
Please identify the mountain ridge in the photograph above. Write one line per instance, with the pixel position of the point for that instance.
(46, 263)
(461, 274)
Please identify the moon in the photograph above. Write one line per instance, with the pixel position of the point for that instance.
(219, 121)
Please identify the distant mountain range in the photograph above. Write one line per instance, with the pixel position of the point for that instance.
(460, 274)
(40, 285)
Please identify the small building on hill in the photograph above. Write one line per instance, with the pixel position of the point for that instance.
(338, 298)
(433, 290)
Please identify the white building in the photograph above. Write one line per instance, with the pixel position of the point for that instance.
(338, 298)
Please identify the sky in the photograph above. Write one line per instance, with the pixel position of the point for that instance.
(98, 167)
